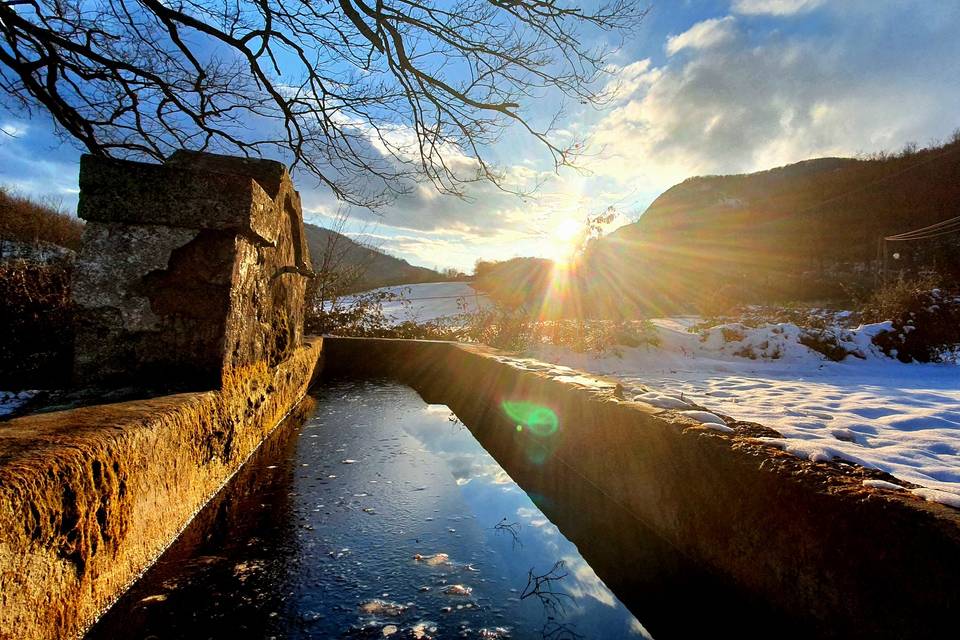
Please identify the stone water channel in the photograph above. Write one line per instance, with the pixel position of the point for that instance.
(379, 515)
(376, 515)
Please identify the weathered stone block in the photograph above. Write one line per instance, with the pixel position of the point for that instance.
(90, 497)
(187, 270)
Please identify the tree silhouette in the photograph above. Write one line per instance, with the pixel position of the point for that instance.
(368, 95)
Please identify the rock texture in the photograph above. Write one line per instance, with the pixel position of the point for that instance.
(90, 497)
(188, 269)
(191, 274)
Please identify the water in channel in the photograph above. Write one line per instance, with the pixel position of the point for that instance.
(377, 516)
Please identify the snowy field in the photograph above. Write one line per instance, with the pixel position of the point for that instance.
(900, 418)
(431, 301)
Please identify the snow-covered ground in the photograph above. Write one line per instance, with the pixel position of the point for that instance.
(432, 301)
(900, 418)
(11, 401)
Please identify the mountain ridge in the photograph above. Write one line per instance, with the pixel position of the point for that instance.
(808, 230)
(376, 268)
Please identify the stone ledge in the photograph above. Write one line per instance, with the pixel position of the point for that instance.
(90, 497)
(123, 191)
(746, 536)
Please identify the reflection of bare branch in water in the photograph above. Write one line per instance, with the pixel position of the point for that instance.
(512, 529)
(543, 587)
(554, 630)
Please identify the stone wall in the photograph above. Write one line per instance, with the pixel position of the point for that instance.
(187, 270)
(90, 497)
(191, 275)
(698, 532)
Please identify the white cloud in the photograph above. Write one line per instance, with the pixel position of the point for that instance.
(586, 583)
(749, 104)
(14, 129)
(429, 228)
(703, 35)
(627, 80)
(37, 171)
(742, 97)
(775, 7)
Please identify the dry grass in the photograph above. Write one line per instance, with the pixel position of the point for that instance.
(28, 220)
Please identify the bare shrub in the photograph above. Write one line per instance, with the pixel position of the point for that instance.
(36, 322)
(925, 320)
(897, 297)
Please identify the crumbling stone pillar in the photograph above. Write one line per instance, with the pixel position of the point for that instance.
(188, 270)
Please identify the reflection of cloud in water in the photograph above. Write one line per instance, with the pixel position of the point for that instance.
(535, 518)
(587, 583)
(467, 467)
(438, 408)
(470, 464)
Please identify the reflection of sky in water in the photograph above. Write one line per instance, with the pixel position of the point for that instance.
(381, 516)
(490, 496)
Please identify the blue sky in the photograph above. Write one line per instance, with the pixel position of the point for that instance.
(705, 87)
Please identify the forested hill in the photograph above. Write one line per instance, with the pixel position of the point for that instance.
(805, 230)
(378, 269)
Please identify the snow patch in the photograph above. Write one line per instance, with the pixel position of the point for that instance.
(718, 426)
(882, 484)
(935, 495)
(431, 301)
(11, 401)
(662, 400)
(903, 419)
(703, 416)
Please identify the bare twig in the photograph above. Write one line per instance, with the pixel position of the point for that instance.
(370, 97)
(512, 529)
(553, 630)
(543, 587)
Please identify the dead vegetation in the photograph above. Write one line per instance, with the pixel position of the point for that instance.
(511, 529)
(544, 587)
(36, 316)
(23, 219)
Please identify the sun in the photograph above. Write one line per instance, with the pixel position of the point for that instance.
(565, 238)
(567, 230)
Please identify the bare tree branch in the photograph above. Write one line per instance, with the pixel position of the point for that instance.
(370, 96)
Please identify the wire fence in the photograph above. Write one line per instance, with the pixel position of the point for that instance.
(936, 230)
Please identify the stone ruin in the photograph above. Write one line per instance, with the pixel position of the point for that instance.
(188, 270)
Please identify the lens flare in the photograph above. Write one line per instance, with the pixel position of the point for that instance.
(538, 419)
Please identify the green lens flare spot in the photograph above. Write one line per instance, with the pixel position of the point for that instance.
(541, 420)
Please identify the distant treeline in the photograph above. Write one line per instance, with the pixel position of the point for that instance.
(370, 267)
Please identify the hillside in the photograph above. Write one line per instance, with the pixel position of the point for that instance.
(26, 224)
(374, 267)
(809, 230)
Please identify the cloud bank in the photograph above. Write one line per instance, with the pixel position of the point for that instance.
(736, 102)
(775, 7)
